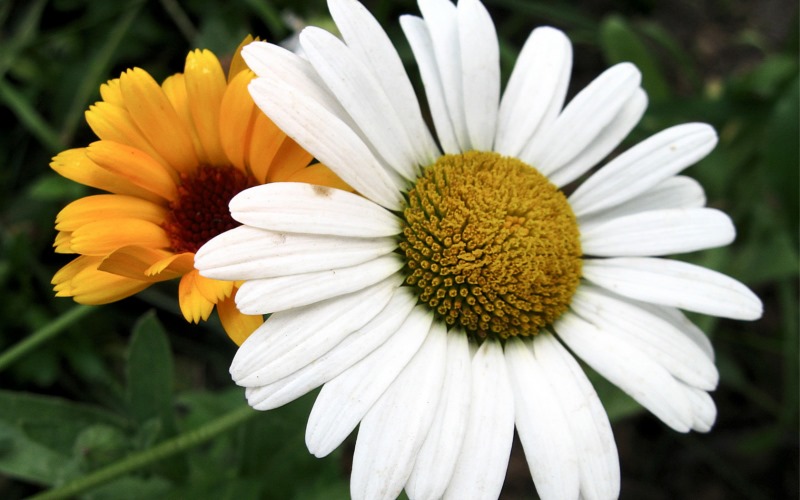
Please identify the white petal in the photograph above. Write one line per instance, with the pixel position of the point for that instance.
(674, 192)
(481, 466)
(675, 283)
(608, 139)
(393, 430)
(437, 456)
(647, 332)
(536, 90)
(271, 295)
(289, 340)
(542, 426)
(480, 72)
(658, 232)
(705, 411)
(249, 253)
(368, 41)
(419, 38)
(681, 322)
(643, 166)
(344, 355)
(362, 96)
(583, 120)
(441, 18)
(267, 60)
(597, 453)
(630, 369)
(298, 207)
(344, 401)
(325, 135)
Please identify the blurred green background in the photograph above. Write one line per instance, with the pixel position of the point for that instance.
(131, 396)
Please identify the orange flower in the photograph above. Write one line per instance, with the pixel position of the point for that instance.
(171, 157)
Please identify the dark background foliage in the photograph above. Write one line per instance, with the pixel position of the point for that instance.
(115, 382)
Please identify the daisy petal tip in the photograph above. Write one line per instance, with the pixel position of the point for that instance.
(552, 31)
(627, 70)
(753, 309)
(705, 134)
(254, 50)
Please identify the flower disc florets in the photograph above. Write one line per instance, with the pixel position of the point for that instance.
(491, 244)
(201, 210)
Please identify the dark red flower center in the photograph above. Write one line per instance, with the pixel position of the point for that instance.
(201, 210)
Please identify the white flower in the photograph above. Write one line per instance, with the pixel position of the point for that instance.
(437, 309)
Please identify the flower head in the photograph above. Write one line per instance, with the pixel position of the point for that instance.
(170, 158)
(438, 309)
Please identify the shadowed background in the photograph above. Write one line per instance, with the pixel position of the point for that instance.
(109, 383)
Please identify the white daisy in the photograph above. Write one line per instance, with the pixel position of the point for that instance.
(439, 310)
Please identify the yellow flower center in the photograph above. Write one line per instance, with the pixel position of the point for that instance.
(200, 211)
(491, 244)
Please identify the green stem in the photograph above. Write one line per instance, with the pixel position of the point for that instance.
(144, 458)
(43, 334)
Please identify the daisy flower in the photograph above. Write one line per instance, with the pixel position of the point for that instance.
(447, 305)
(170, 158)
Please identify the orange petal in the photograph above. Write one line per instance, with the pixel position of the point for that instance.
(238, 326)
(64, 275)
(157, 119)
(180, 263)
(175, 89)
(82, 280)
(290, 159)
(320, 175)
(237, 116)
(136, 166)
(134, 261)
(111, 122)
(75, 165)
(105, 236)
(194, 305)
(237, 62)
(111, 93)
(214, 290)
(63, 242)
(205, 86)
(265, 142)
(103, 206)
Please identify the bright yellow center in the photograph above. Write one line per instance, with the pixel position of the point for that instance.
(491, 245)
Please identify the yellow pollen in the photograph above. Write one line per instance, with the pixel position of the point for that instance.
(491, 244)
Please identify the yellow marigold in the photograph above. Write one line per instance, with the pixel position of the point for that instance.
(171, 157)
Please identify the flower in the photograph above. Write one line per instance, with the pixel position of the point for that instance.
(439, 310)
(170, 158)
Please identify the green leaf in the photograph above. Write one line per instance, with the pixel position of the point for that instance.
(28, 116)
(26, 32)
(214, 486)
(781, 149)
(621, 43)
(53, 187)
(684, 60)
(768, 79)
(150, 388)
(100, 444)
(25, 458)
(750, 265)
(39, 436)
(150, 373)
(131, 488)
(51, 421)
